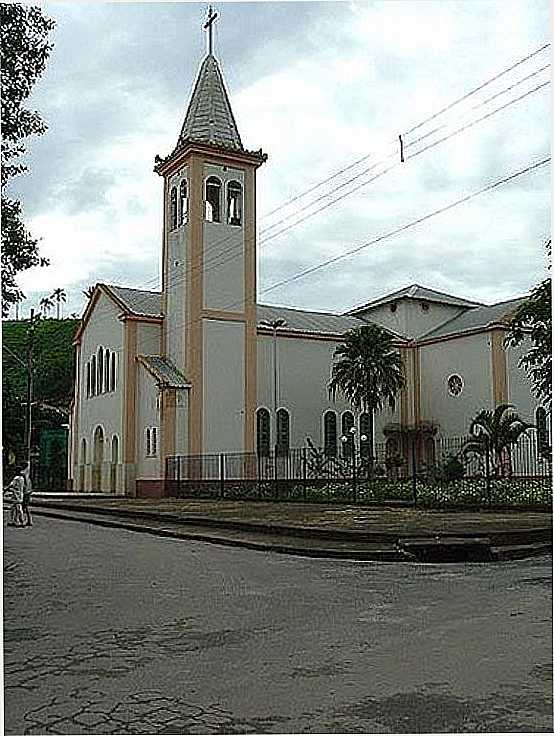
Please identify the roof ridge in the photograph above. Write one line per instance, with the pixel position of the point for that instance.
(311, 311)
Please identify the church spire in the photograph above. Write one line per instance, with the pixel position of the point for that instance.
(209, 118)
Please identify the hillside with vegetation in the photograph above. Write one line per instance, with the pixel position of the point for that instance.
(54, 362)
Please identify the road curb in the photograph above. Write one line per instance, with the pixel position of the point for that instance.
(389, 553)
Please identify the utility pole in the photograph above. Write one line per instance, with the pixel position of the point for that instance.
(29, 417)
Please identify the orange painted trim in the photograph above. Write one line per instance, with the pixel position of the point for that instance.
(129, 391)
(208, 154)
(498, 368)
(464, 333)
(251, 340)
(222, 315)
(194, 296)
(141, 318)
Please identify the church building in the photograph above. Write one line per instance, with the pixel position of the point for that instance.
(201, 367)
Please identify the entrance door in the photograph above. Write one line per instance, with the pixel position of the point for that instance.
(98, 459)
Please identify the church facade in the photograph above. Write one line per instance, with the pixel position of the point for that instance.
(201, 367)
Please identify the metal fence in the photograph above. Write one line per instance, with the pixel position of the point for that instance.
(439, 475)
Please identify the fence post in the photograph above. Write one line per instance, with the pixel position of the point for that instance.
(487, 470)
(414, 471)
(354, 484)
(304, 473)
(275, 473)
(221, 475)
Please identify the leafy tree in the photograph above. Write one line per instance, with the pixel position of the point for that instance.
(533, 319)
(494, 433)
(367, 371)
(24, 51)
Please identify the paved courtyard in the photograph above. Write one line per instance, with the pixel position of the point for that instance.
(109, 631)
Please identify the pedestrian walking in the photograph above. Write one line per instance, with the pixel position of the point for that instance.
(14, 492)
(27, 492)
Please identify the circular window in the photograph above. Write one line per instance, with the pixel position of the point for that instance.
(455, 385)
(393, 307)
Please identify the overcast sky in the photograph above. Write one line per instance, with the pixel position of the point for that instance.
(317, 86)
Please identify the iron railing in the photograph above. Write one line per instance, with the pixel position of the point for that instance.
(444, 476)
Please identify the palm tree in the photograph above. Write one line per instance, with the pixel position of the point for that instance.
(46, 305)
(368, 371)
(59, 295)
(495, 432)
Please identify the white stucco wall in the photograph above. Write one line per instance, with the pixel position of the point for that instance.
(148, 415)
(469, 357)
(224, 250)
(104, 410)
(410, 319)
(519, 386)
(148, 338)
(223, 389)
(304, 369)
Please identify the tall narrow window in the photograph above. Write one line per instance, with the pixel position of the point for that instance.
(213, 199)
(100, 368)
(365, 431)
(173, 208)
(148, 442)
(183, 202)
(88, 380)
(93, 376)
(83, 451)
(330, 433)
(107, 354)
(262, 432)
(113, 372)
(154, 441)
(283, 432)
(347, 425)
(234, 203)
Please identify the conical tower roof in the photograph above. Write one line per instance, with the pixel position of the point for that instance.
(209, 117)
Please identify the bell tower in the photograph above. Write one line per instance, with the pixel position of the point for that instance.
(209, 271)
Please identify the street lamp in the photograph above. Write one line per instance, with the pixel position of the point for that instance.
(274, 325)
(344, 439)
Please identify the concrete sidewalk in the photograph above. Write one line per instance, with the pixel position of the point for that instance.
(311, 529)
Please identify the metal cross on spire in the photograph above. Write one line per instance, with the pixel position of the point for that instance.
(209, 26)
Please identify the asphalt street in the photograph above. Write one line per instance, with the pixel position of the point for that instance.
(109, 631)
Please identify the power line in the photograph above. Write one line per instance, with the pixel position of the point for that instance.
(448, 107)
(477, 89)
(219, 260)
(407, 226)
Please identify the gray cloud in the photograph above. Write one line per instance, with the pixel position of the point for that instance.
(328, 79)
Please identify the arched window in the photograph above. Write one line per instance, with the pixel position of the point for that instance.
(283, 432)
(83, 451)
(347, 425)
(213, 199)
(173, 214)
(154, 441)
(330, 433)
(183, 202)
(234, 203)
(93, 376)
(148, 442)
(100, 368)
(365, 431)
(113, 372)
(107, 354)
(88, 380)
(115, 450)
(263, 424)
